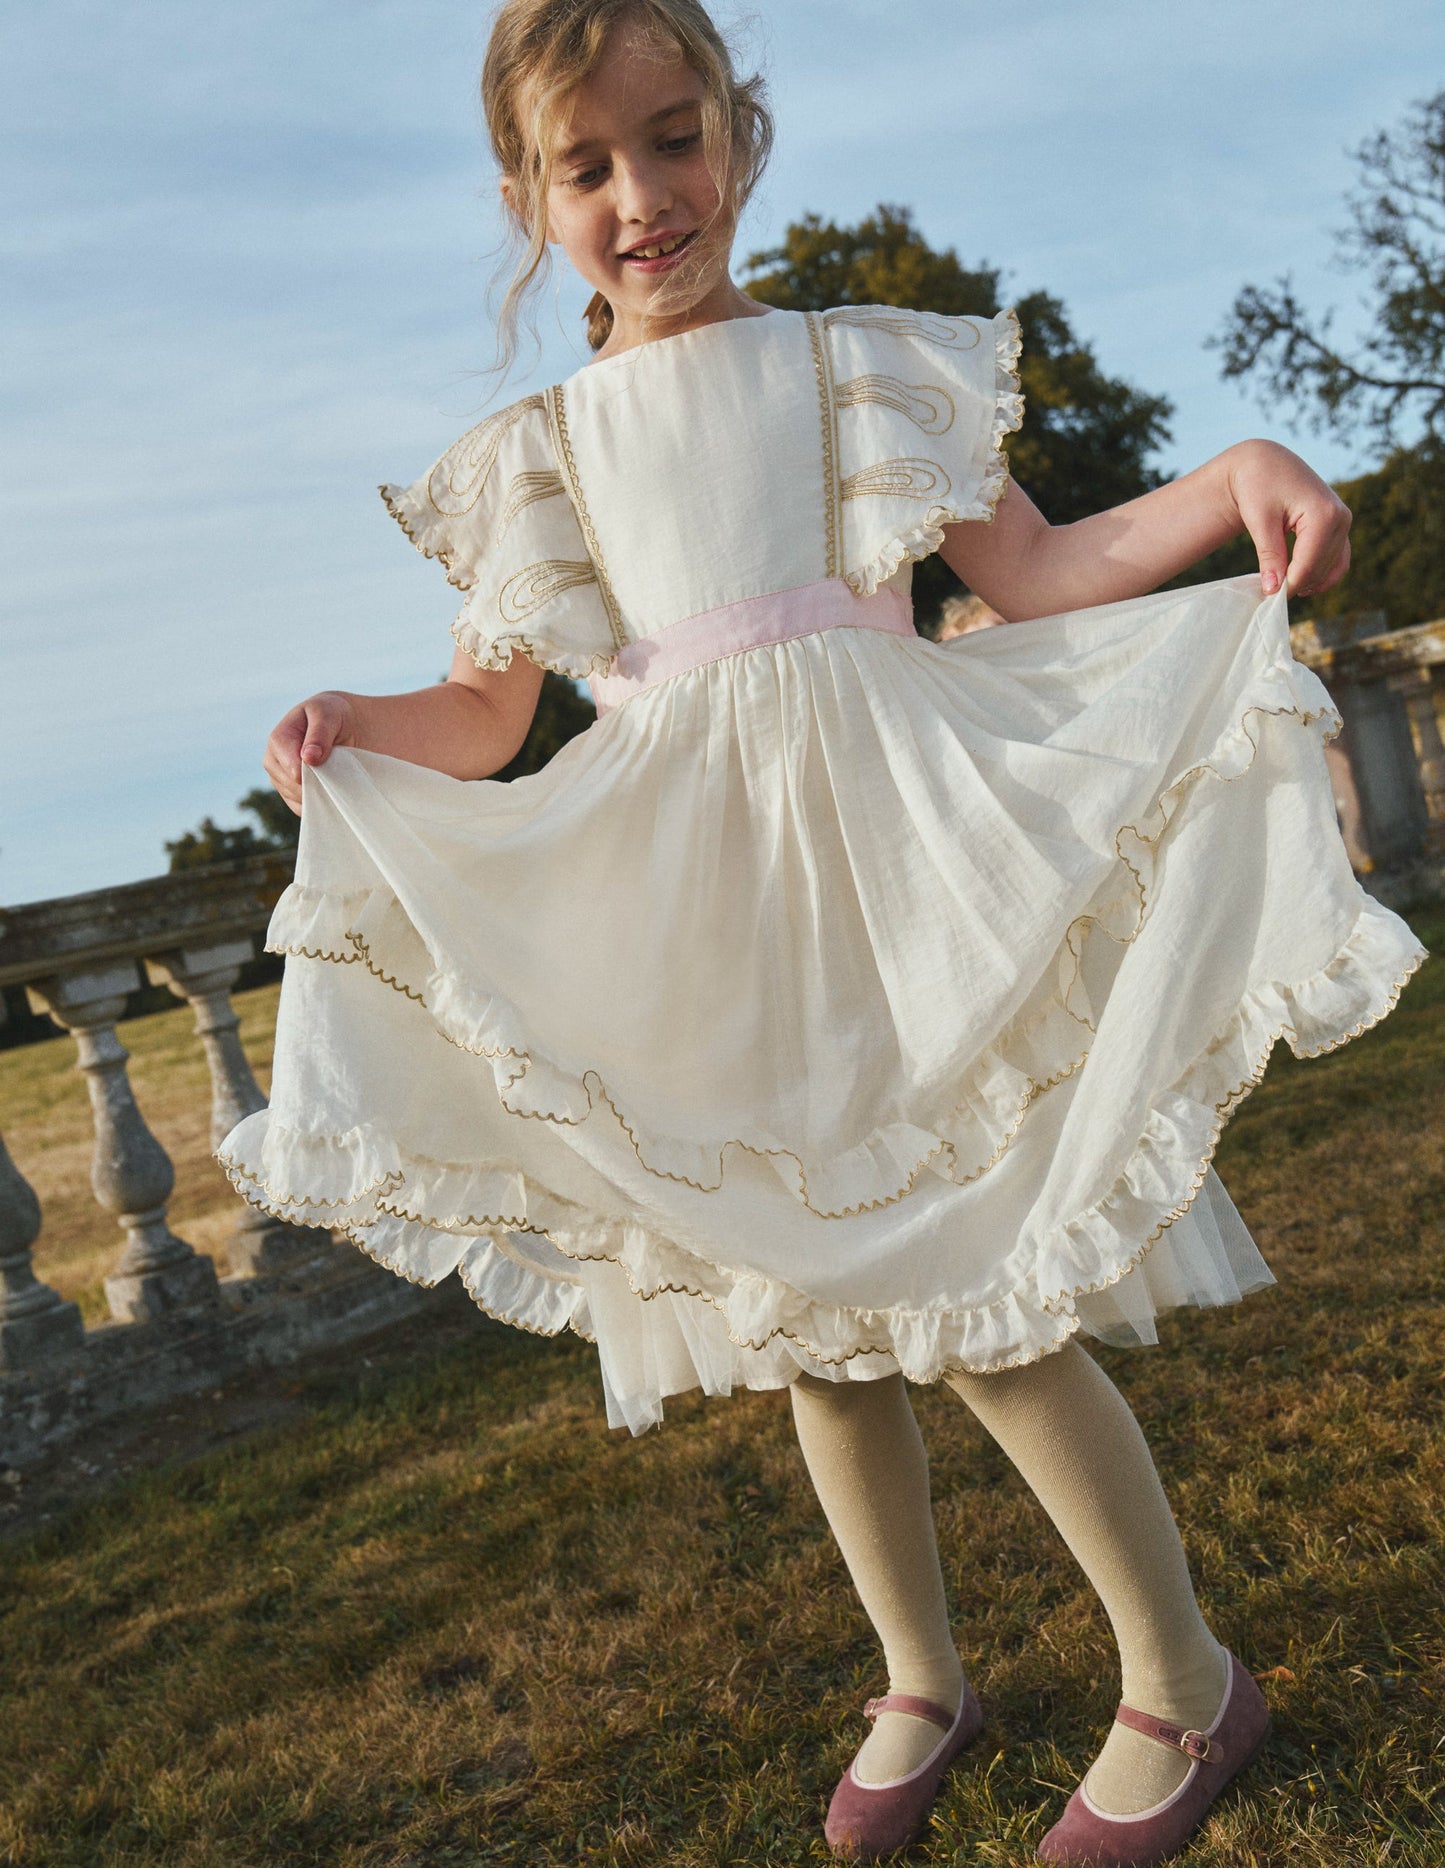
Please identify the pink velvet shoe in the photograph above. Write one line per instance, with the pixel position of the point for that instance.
(1087, 1834)
(866, 1822)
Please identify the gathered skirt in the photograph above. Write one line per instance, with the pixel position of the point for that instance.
(852, 1002)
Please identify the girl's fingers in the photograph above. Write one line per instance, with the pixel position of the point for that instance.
(1321, 548)
(1273, 550)
(319, 732)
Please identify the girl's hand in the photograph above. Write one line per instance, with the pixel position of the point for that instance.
(305, 736)
(1274, 492)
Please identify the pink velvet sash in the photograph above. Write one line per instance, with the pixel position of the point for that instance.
(756, 621)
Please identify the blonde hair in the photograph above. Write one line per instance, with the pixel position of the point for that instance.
(540, 51)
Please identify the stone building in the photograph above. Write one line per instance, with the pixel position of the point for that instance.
(1388, 764)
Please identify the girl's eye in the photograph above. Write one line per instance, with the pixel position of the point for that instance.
(675, 145)
(585, 178)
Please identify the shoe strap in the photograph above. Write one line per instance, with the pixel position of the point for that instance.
(1197, 1745)
(918, 1708)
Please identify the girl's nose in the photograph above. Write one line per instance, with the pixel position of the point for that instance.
(643, 193)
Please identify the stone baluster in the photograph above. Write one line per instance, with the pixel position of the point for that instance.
(205, 977)
(1417, 692)
(34, 1320)
(130, 1172)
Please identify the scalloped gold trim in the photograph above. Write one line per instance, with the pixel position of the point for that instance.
(562, 446)
(832, 510)
(597, 663)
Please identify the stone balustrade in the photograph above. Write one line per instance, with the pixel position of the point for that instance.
(79, 959)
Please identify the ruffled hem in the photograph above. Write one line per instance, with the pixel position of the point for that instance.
(1042, 1048)
(923, 538)
(425, 1219)
(1047, 1042)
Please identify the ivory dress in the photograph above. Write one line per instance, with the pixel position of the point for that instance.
(839, 1000)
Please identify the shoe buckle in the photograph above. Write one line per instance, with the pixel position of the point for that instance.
(1199, 1745)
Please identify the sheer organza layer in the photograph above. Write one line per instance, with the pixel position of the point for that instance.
(854, 1003)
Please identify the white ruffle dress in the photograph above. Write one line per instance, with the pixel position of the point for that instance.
(840, 1000)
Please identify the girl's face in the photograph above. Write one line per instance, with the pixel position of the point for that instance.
(631, 199)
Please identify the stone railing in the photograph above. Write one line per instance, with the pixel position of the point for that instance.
(1388, 765)
(79, 959)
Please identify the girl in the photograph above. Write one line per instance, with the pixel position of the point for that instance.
(842, 1007)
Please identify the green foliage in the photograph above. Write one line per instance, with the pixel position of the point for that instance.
(1087, 438)
(1397, 542)
(211, 842)
(884, 260)
(561, 714)
(1396, 236)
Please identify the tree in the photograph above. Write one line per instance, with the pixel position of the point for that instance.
(1397, 542)
(1086, 442)
(1392, 382)
(561, 714)
(211, 842)
(1395, 376)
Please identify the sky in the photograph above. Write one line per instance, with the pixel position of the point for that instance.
(246, 250)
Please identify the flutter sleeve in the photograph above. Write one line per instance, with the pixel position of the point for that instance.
(495, 512)
(920, 407)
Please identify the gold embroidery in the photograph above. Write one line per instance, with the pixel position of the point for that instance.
(528, 590)
(527, 487)
(822, 370)
(928, 405)
(455, 484)
(899, 479)
(562, 446)
(950, 333)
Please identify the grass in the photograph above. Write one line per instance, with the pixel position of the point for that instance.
(45, 1119)
(448, 1618)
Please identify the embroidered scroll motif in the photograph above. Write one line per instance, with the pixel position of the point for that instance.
(898, 479)
(951, 333)
(456, 482)
(527, 487)
(525, 593)
(928, 405)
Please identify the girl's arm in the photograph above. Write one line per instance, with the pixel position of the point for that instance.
(1024, 567)
(469, 725)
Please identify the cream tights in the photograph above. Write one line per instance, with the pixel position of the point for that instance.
(866, 1460)
(1071, 1435)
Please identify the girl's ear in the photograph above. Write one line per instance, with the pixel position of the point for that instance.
(508, 192)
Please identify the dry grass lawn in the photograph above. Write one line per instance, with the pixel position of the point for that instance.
(448, 1618)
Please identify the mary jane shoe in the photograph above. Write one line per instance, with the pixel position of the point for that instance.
(1093, 1838)
(867, 1822)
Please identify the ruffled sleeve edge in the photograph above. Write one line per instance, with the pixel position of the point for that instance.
(426, 535)
(920, 540)
(492, 649)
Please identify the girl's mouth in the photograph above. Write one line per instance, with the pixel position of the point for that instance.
(661, 254)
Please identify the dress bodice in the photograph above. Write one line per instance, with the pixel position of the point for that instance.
(722, 464)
